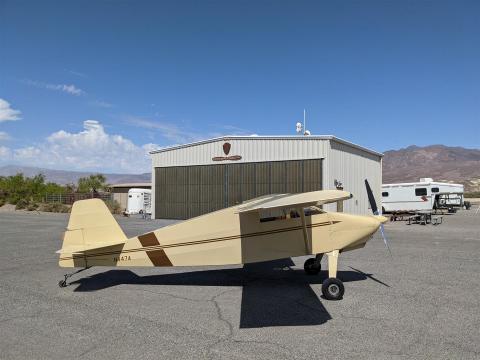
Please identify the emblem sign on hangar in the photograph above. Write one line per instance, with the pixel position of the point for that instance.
(194, 179)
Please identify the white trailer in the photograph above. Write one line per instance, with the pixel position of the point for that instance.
(139, 201)
(421, 196)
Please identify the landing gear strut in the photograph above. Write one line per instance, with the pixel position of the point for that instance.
(63, 283)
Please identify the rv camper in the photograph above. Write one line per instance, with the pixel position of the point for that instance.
(421, 196)
(139, 201)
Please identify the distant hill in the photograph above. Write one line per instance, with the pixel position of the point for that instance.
(442, 163)
(68, 177)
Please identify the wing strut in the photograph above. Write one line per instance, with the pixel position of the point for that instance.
(304, 228)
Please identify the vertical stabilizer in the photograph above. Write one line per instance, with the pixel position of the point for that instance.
(91, 226)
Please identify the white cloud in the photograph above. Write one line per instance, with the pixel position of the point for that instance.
(4, 136)
(102, 104)
(69, 89)
(77, 73)
(181, 134)
(7, 113)
(90, 149)
(5, 154)
(169, 131)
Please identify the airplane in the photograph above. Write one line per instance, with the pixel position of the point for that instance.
(266, 228)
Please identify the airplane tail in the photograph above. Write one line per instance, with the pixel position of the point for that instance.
(91, 226)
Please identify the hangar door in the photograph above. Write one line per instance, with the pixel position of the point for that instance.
(183, 192)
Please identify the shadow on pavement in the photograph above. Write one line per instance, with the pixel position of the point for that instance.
(273, 293)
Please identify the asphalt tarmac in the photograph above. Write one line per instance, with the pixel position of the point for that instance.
(424, 302)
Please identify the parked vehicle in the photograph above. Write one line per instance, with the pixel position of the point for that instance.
(423, 195)
(139, 201)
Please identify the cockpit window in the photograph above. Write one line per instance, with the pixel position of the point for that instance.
(282, 214)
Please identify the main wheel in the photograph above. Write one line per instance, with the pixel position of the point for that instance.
(332, 289)
(62, 283)
(311, 267)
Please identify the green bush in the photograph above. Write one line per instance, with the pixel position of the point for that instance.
(54, 207)
(114, 206)
(18, 187)
(21, 204)
(2, 202)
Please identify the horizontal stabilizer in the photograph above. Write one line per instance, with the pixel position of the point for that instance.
(83, 249)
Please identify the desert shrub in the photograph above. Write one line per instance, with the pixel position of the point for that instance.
(32, 206)
(54, 207)
(21, 204)
(114, 206)
(473, 194)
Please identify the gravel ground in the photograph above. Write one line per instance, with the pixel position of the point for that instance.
(421, 303)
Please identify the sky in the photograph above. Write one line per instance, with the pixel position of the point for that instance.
(95, 85)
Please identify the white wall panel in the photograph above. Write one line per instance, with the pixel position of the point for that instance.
(251, 150)
(352, 166)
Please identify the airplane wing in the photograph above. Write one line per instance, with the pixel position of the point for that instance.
(303, 200)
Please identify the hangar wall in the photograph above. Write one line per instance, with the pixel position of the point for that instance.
(351, 166)
(250, 148)
(183, 192)
(343, 161)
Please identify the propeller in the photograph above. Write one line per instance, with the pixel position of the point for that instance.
(373, 205)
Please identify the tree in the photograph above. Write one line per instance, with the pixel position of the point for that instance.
(93, 183)
(30, 189)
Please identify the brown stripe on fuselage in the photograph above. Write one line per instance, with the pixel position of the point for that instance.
(157, 257)
(148, 239)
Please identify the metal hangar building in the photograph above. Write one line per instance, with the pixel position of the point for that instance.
(193, 179)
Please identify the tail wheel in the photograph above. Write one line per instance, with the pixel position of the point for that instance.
(333, 289)
(311, 267)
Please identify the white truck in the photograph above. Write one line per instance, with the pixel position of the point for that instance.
(139, 201)
(421, 196)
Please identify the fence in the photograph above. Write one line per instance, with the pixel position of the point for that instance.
(69, 199)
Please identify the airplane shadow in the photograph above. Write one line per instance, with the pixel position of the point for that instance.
(273, 293)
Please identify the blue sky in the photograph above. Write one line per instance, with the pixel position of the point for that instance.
(94, 85)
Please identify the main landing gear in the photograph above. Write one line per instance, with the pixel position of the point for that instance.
(332, 288)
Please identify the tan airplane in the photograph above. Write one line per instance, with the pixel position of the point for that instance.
(262, 229)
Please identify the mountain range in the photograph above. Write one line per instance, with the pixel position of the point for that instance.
(442, 163)
(439, 162)
(71, 177)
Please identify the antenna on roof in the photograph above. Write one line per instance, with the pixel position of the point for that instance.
(300, 127)
(304, 117)
(306, 132)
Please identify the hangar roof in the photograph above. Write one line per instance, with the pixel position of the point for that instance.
(284, 137)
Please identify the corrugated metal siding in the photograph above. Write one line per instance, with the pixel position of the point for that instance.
(343, 162)
(184, 192)
(352, 166)
(250, 150)
(187, 191)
